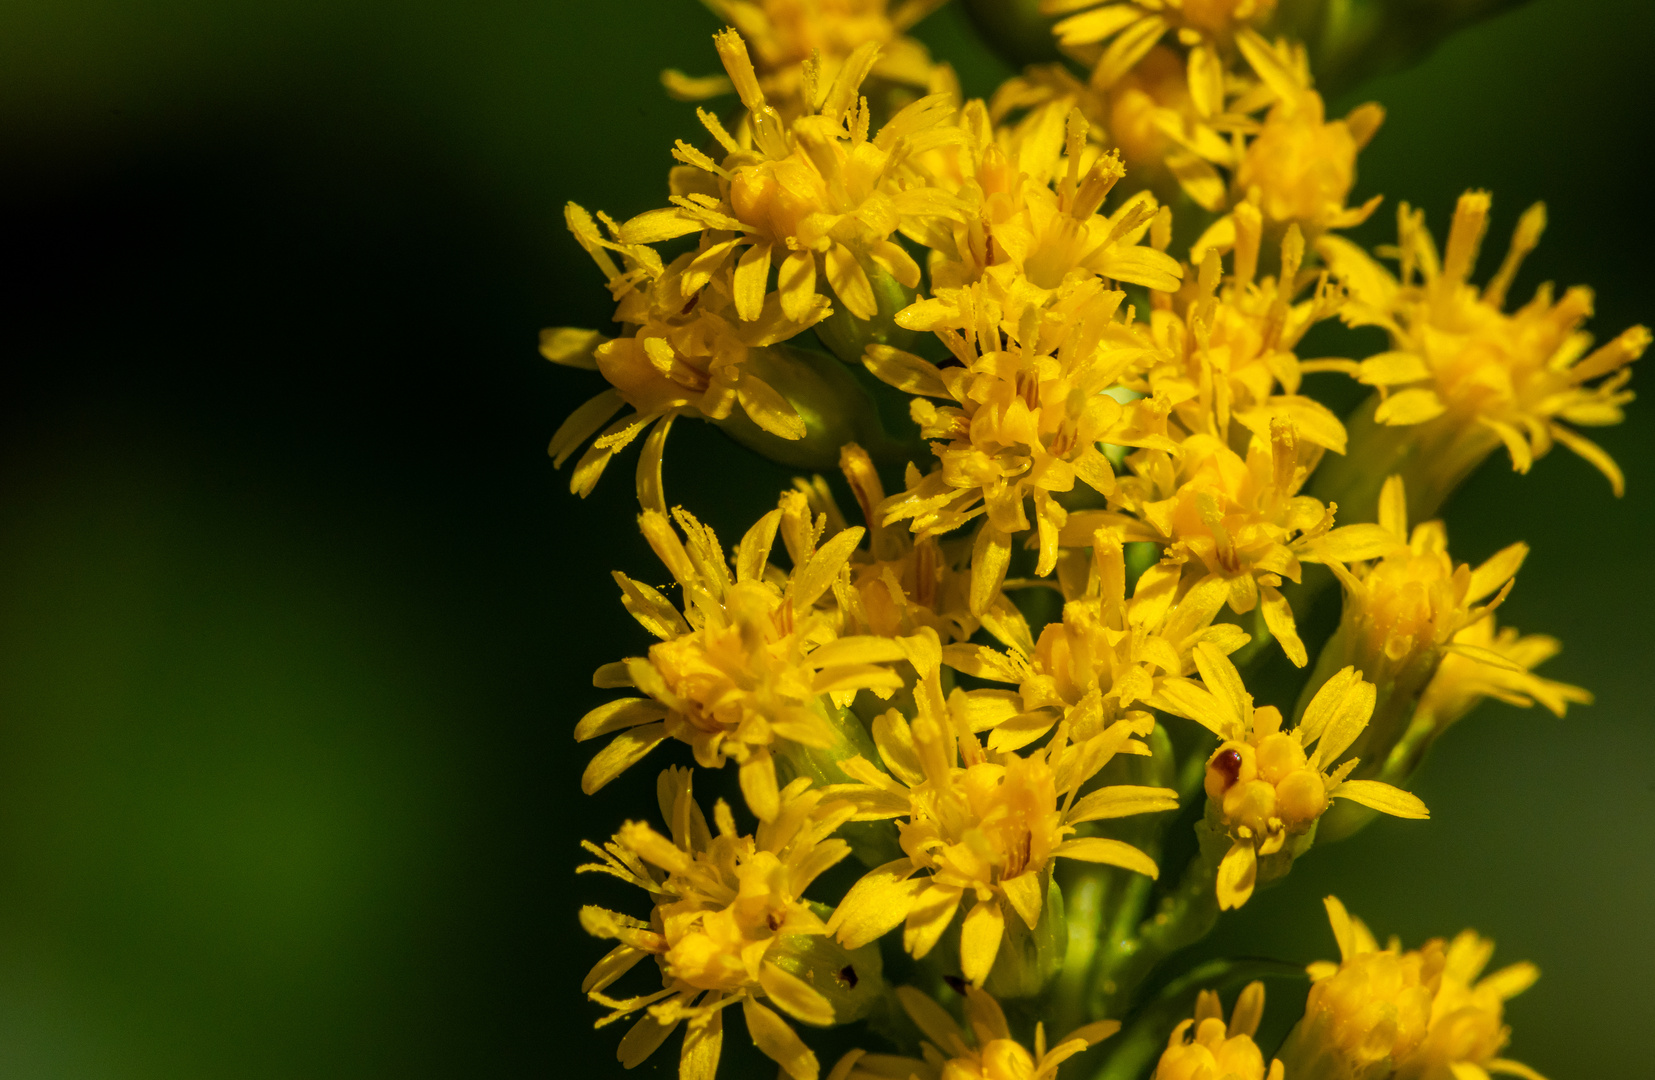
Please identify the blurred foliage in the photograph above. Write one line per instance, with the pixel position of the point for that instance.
(295, 618)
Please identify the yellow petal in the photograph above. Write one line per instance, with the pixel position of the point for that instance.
(1278, 616)
(779, 1042)
(768, 409)
(703, 1045)
(1381, 796)
(618, 714)
(1025, 894)
(1236, 876)
(751, 278)
(623, 751)
(1406, 407)
(758, 786)
(1121, 800)
(931, 1018)
(980, 937)
(929, 916)
(643, 1039)
(905, 371)
(797, 284)
(876, 903)
(1097, 849)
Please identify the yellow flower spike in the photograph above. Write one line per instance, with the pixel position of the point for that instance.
(1105, 655)
(1408, 611)
(749, 665)
(1267, 788)
(1421, 1014)
(1464, 376)
(979, 824)
(1020, 420)
(728, 926)
(784, 34)
(981, 1050)
(1132, 28)
(1206, 1048)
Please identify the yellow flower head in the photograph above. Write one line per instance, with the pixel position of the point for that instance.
(1464, 679)
(1034, 225)
(1206, 1048)
(815, 197)
(1423, 1014)
(1134, 27)
(1225, 518)
(728, 925)
(1466, 375)
(784, 34)
(979, 823)
(1024, 414)
(1267, 787)
(988, 1052)
(1104, 656)
(1406, 610)
(753, 663)
(898, 582)
(1230, 343)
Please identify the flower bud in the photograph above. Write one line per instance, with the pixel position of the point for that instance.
(852, 980)
(834, 407)
(849, 336)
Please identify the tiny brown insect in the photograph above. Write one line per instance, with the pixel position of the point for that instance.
(1228, 765)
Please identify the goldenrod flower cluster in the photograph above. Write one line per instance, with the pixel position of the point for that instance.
(1040, 651)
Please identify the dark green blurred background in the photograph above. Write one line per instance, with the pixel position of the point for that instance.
(296, 618)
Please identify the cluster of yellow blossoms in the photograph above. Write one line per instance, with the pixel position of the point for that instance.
(1033, 658)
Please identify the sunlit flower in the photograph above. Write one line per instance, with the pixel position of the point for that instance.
(981, 824)
(728, 922)
(1267, 787)
(1134, 27)
(754, 663)
(1105, 655)
(1464, 376)
(983, 1050)
(1423, 1014)
(784, 34)
(1206, 1048)
(1024, 416)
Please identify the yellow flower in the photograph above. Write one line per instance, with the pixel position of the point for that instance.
(1298, 167)
(784, 34)
(1423, 1014)
(1240, 521)
(1230, 343)
(728, 927)
(1033, 226)
(1025, 414)
(979, 823)
(687, 352)
(1267, 787)
(989, 1053)
(898, 582)
(1464, 376)
(1105, 655)
(816, 197)
(754, 663)
(1205, 1048)
(1134, 27)
(1462, 680)
(1405, 612)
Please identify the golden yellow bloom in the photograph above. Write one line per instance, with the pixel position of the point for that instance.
(1240, 521)
(1267, 788)
(1105, 655)
(784, 34)
(687, 352)
(1464, 376)
(816, 197)
(979, 823)
(1026, 413)
(1134, 27)
(1205, 1048)
(1230, 341)
(730, 926)
(752, 665)
(1462, 681)
(1298, 167)
(1405, 612)
(899, 582)
(1418, 1015)
(1033, 226)
(990, 1053)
